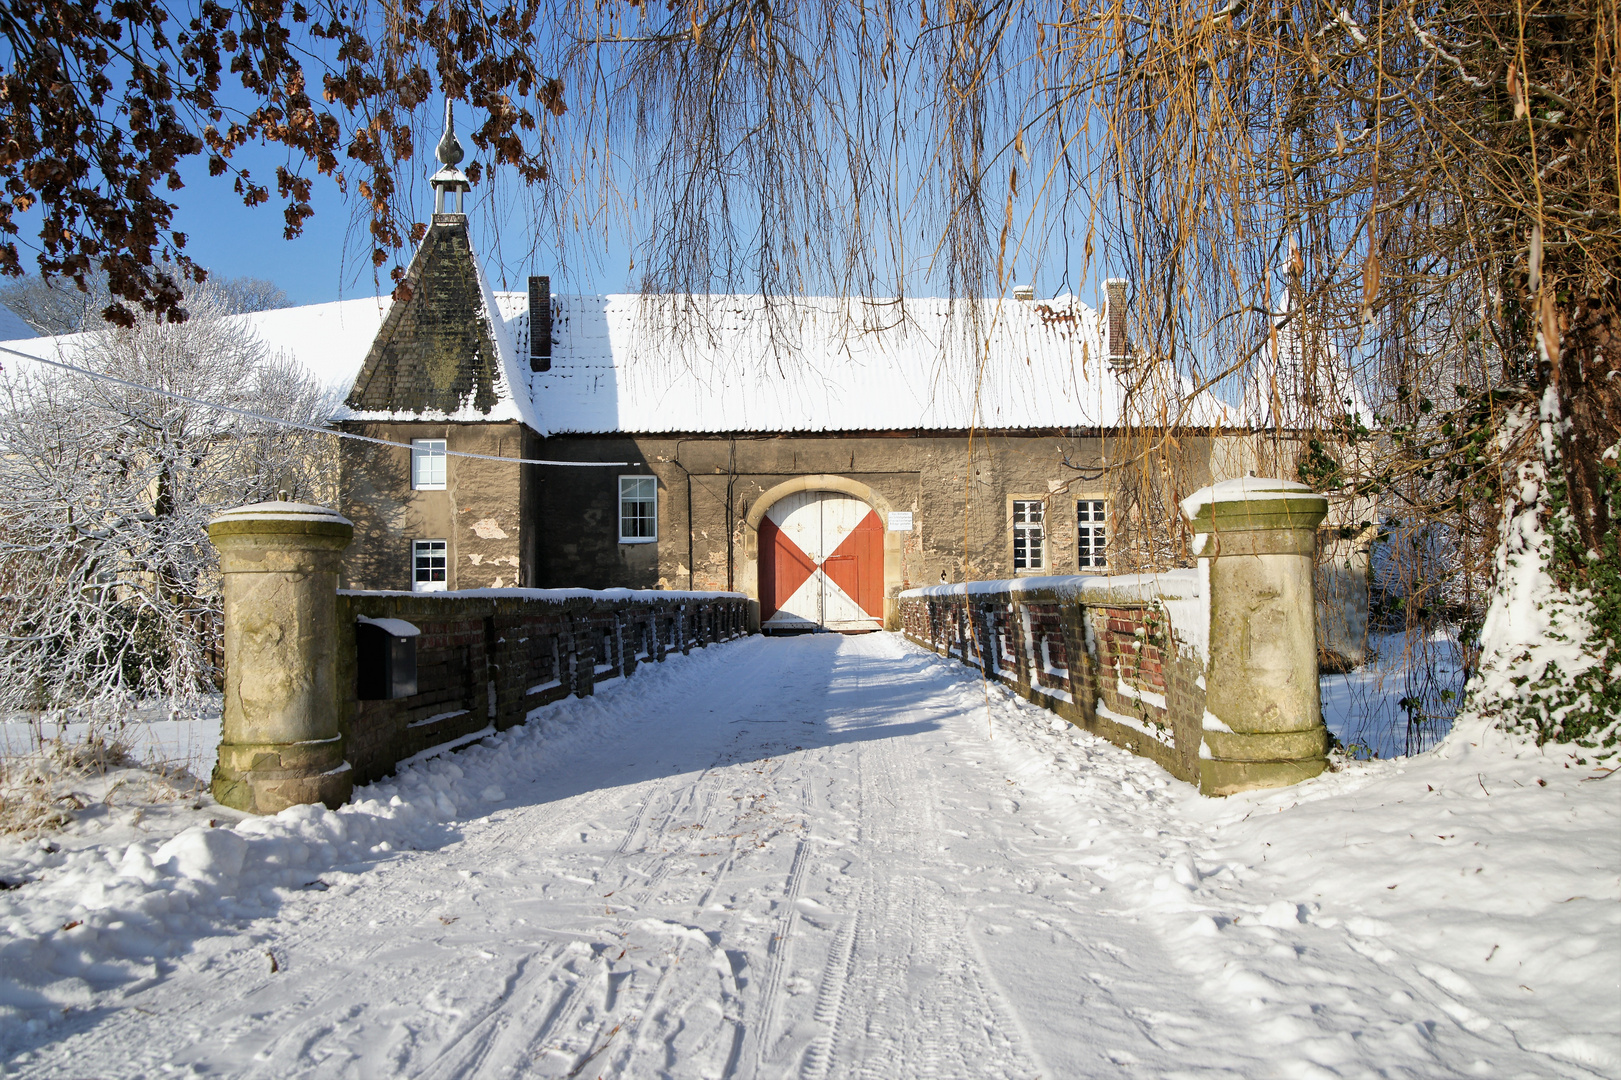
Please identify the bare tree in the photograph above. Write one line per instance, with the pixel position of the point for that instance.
(61, 307)
(107, 580)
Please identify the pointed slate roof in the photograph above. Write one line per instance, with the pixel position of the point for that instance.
(437, 353)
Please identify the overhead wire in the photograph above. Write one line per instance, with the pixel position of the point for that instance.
(299, 425)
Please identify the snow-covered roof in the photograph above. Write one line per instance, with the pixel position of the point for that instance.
(327, 340)
(626, 363)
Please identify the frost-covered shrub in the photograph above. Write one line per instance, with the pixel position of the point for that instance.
(108, 584)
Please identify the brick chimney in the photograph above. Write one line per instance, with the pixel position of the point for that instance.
(1116, 345)
(540, 324)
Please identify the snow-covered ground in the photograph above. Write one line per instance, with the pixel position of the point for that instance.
(831, 856)
(155, 736)
(1363, 707)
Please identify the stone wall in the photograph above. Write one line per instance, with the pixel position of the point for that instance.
(1103, 654)
(484, 512)
(958, 489)
(1211, 672)
(486, 659)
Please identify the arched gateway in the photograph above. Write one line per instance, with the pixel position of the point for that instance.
(821, 563)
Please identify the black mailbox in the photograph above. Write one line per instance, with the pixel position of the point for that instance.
(386, 659)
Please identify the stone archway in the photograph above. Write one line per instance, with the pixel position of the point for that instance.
(748, 578)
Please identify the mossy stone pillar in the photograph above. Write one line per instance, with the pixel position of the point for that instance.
(1256, 543)
(279, 567)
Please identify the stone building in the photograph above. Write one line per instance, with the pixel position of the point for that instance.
(819, 455)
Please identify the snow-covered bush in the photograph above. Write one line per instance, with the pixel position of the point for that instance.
(1551, 642)
(108, 583)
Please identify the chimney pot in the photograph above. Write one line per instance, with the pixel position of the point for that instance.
(1118, 347)
(540, 324)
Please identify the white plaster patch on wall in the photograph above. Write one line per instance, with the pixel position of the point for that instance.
(488, 529)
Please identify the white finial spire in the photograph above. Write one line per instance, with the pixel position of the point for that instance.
(449, 151)
(449, 178)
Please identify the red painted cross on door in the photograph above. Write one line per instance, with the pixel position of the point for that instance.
(821, 563)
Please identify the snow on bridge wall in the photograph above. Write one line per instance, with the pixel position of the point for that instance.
(295, 729)
(486, 658)
(1211, 672)
(1119, 657)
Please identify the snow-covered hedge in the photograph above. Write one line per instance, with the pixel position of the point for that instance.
(1550, 660)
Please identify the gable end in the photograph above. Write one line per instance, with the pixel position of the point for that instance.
(435, 352)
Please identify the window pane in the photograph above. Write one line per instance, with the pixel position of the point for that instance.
(638, 508)
(428, 463)
(1028, 535)
(429, 565)
(1091, 533)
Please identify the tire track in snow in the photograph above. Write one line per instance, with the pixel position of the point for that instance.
(925, 981)
(831, 995)
(757, 1035)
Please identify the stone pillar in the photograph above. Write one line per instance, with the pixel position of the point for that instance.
(282, 747)
(1263, 724)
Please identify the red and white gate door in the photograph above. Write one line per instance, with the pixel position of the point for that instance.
(821, 563)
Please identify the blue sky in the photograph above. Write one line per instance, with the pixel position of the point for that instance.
(330, 260)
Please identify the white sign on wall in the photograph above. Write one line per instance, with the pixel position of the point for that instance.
(900, 521)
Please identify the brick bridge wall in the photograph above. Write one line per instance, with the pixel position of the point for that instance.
(1101, 653)
(487, 658)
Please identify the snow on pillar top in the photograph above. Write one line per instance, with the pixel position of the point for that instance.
(280, 517)
(1260, 498)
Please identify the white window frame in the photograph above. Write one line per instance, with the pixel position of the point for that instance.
(428, 464)
(421, 549)
(1029, 525)
(1092, 535)
(638, 497)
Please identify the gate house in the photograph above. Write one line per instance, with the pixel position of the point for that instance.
(820, 455)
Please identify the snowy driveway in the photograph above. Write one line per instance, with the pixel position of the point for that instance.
(822, 856)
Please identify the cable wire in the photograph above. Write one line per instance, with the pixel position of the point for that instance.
(318, 429)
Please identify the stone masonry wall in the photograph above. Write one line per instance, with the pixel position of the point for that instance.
(486, 660)
(1112, 666)
(708, 484)
(479, 512)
